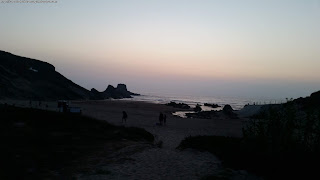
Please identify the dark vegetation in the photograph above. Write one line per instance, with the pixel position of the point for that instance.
(178, 105)
(282, 141)
(35, 142)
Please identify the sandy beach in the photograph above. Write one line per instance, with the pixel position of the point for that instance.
(145, 161)
(165, 162)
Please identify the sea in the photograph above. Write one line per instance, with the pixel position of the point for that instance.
(236, 103)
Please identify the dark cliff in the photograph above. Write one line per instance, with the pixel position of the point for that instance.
(25, 78)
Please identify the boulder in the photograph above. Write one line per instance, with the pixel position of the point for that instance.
(197, 108)
(178, 105)
(227, 109)
(212, 105)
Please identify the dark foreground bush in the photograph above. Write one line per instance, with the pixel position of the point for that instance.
(252, 156)
(279, 143)
(226, 148)
(34, 141)
(282, 141)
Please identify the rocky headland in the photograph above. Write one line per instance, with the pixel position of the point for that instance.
(30, 79)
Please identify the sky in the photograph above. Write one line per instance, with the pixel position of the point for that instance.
(268, 48)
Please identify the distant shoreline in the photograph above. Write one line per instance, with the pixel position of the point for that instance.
(236, 103)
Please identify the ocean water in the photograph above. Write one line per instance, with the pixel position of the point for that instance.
(236, 103)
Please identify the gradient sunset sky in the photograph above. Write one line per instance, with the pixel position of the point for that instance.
(265, 48)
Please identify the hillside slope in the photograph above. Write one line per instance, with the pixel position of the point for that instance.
(25, 78)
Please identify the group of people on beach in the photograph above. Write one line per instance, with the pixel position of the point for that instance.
(162, 118)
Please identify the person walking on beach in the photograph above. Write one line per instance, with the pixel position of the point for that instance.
(124, 117)
(164, 119)
(161, 118)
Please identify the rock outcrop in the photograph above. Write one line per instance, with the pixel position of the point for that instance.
(178, 105)
(211, 105)
(227, 110)
(197, 108)
(111, 92)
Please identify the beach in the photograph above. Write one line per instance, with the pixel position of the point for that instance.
(165, 162)
(159, 89)
(158, 161)
(146, 115)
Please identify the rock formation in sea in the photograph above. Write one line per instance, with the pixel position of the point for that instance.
(178, 105)
(197, 108)
(211, 105)
(228, 110)
(111, 92)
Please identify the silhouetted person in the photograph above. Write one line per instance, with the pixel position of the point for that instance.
(124, 116)
(164, 119)
(161, 118)
(65, 108)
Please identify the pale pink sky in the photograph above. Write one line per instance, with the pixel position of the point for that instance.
(194, 46)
